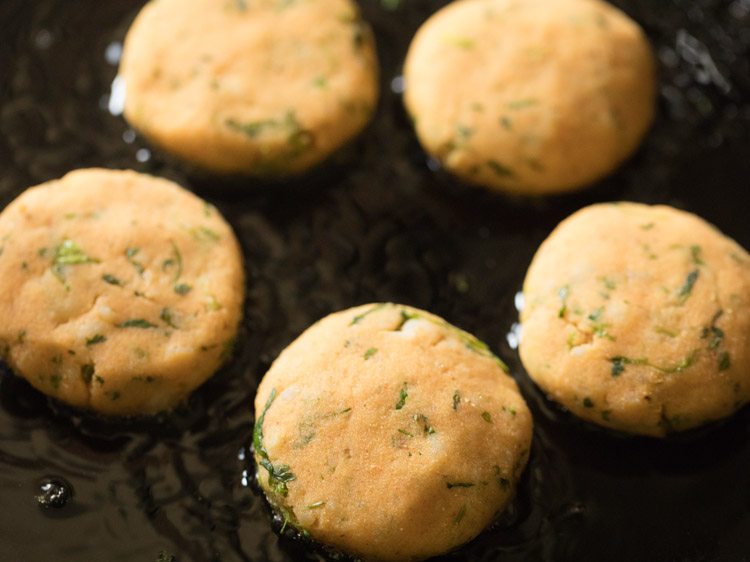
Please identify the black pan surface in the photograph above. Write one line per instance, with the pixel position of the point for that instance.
(376, 224)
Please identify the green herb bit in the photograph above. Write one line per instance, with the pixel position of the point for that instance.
(167, 318)
(278, 476)
(597, 314)
(687, 288)
(241, 5)
(55, 380)
(402, 396)
(460, 42)
(503, 482)
(716, 333)
(506, 123)
(460, 515)
(588, 402)
(68, 253)
(251, 129)
(606, 415)
(486, 416)
(619, 362)
(456, 400)
(359, 317)
(114, 395)
(21, 338)
(320, 82)
(130, 254)
(522, 103)
(164, 557)
(647, 226)
(112, 280)
(95, 339)
(724, 361)
(136, 323)
(464, 133)
(182, 289)
(201, 234)
(316, 505)
(511, 411)
(370, 352)
(175, 261)
(404, 432)
(87, 373)
(452, 485)
(563, 293)
(695, 254)
(499, 169)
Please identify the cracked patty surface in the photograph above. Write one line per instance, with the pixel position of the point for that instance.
(389, 434)
(119, 292)
(263, 87)
(637, 318)
(530, 96)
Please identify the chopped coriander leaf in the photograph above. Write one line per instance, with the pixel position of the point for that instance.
(695, 254)
(320, 82)
(136, 323)
(687, 287)
(716, 333)
(201, 234)
(112, 280)
(460, 515)
(130, 254)
(164, 557)
(563, 294)
(176, 262)
(403, 431)
(87, 373)
(68, 253)
(486, 416)
(597, 314)
(619, 362)
(724, 361)
(606, 414)
(182, 289)
(21, 336)
(241, 5)
(402, 396)
(167, 318)
(359, 317)
(506, 123)
(55, 380)
(280, 475)
(522, 103)
(500, 169)
(93, 340)
(588, 403)
(452, 485)
(456, 400)
(370, 352)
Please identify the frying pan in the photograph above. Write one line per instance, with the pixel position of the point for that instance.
(377, 223)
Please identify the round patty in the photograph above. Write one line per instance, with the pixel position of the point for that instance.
(637, 318)
(389, 434)
(530, 96)
(261, 87)
(119, 292)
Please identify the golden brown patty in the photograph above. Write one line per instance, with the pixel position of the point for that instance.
(389, 434)
(119, 292)
(638, 318)
(261, 87)
(530, 96)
